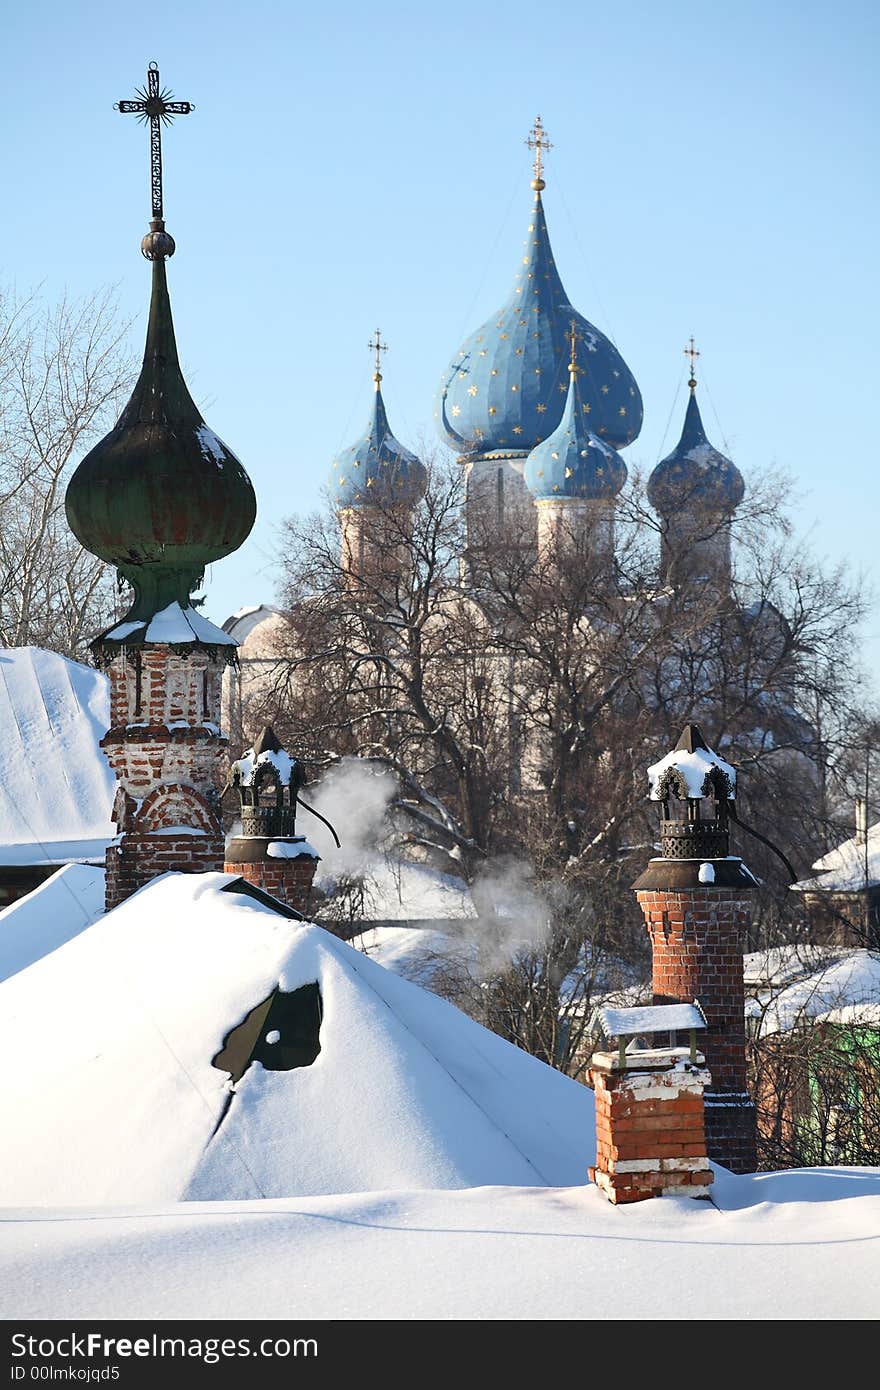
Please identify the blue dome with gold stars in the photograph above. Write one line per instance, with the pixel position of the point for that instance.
(505, 389)
(573, 462)
(377, 470)
(695, 473)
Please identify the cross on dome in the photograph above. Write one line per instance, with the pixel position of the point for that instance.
(155, 106)
(539, 142)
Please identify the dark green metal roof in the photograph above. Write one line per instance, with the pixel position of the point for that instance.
(161, 496)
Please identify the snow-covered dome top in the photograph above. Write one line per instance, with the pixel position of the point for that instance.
(377, 470)
(691, 770)
(572, 462)
(695, 473)
(504, 390)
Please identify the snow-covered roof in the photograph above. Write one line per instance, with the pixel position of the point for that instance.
(694, 767)
(117, 1100)
(243, 621)
(175, 625)
(56, 911)
(56, 787)
(850, 867)
(846, 990)
(780, 965)
(398, 891)
(649, 1018)
(249, 764)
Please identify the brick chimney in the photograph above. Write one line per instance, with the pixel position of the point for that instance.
(268, 852)
(696, 901)
(650, 1134)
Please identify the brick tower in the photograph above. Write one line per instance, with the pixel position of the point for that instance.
(160, 497)
(695, 898)
(268, 852)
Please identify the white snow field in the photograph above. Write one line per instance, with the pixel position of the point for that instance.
(57, 910)
(792, 1245)
(420, 1167)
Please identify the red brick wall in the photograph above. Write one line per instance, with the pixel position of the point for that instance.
(138, 858)
(650, 1134)
(290, 880)
(697, 936)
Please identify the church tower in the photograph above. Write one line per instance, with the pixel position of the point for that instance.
(161, 497)
(696, 490)
(374, 486)
(574, 478)
(506, 388)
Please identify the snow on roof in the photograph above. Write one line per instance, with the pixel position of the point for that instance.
(116, 1099)
(780, 965)
(846, 868)
(790, 1245)
(242, 622)
(56, 787)
(175, 625)
(425, 955)
(247, 765)
(398, 891)
(693, 767)
(57, 910)
(846, 989)
(650, 1018)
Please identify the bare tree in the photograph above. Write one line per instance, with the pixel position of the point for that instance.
(518, 706)
(64, 372)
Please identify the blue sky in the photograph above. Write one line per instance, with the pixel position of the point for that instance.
(714, 172)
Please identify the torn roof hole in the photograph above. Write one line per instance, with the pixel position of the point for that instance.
(281, 1033)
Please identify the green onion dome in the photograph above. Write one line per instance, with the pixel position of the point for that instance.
(161, 496)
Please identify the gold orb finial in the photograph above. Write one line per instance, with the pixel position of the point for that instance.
(693, 353)
(538, 142)
(378, 347)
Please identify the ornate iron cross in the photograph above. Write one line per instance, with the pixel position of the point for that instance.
(538, 142)
(378, 347)
(156, 106)
(693, 353)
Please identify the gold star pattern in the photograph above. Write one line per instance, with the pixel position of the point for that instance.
(472, 390)
(505, 335)
(517, 429)
(622, 410)
(369, 482)
(518, 352)
(493, 410)
(537, 371)
(514, 388)
(483, 352)
(494, 371)
(541, 407)
(604, 390)
(462, 375)
(586, 407)
(562, 387)
(568, 472)
(456, 410)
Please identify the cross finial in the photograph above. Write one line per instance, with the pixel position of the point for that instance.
(154, 105)
(572, 338)
(693, 353)
(378, 347)
(538, 142)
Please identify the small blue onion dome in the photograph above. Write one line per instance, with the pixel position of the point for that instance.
(505, 389)
(377, 470)
(572, 462)
(695, 473)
